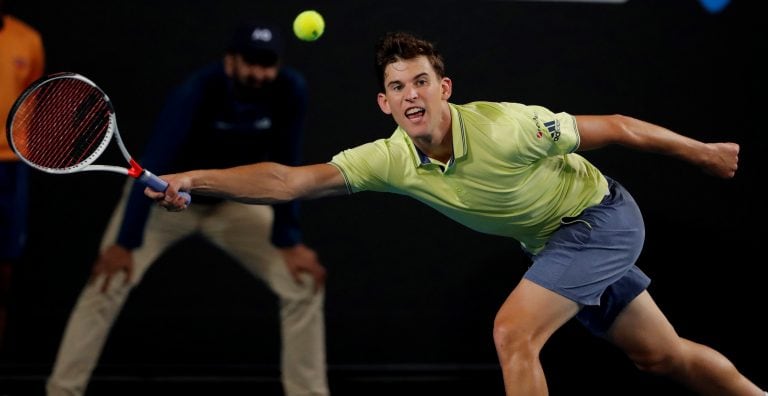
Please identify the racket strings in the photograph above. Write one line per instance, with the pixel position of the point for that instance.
(61, 124)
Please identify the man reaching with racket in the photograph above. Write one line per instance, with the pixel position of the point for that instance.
(247, 108)
(510, 169)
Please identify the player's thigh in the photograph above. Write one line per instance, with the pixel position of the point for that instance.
(643, 332)
(535, 311)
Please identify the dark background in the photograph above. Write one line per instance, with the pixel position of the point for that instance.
(411, 296)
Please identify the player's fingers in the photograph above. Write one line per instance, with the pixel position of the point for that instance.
(176, 206)
(173, 202)
(181, 202)
(171, 195)
(156, 195)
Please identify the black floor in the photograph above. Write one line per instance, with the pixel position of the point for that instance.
(370, 381)
(344, 381)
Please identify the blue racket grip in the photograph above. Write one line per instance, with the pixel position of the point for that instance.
(159, 184)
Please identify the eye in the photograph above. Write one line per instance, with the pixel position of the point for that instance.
(396, 87)
(421, 82)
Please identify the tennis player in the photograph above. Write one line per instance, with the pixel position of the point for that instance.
(512, 170)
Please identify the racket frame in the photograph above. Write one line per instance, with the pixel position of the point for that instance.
(135, 170)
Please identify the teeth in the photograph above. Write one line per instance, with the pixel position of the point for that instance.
(413, 111)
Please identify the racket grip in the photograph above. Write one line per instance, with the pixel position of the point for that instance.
(158, 184)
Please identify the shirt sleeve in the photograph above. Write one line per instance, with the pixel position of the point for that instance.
(559, 128)
(542, 133)
(364, 167)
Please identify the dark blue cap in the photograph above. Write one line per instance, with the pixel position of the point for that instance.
(258, 43)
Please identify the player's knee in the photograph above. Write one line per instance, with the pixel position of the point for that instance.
(512, 338)
(659, 361)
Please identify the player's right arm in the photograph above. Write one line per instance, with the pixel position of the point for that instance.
(260, 183)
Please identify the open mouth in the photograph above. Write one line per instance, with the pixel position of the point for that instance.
(415, 113)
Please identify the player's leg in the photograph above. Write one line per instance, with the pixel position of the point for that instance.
(95, 311)
(526, 320)
(581, 260)
(643, 332)
(244, 232)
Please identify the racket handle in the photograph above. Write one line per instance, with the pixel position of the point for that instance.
(158, 184)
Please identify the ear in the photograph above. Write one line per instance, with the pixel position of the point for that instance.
(383, 103)
(447, 86)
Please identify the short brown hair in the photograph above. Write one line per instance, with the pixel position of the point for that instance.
(395, 46)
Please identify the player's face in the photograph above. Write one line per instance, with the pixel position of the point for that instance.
(416, 97)
(248, 75)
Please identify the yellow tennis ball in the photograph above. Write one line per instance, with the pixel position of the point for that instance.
(309, 25)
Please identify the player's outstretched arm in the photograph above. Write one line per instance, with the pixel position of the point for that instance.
(717, 159)
(261, 183)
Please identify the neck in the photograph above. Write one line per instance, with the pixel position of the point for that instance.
(444, 151)
(437, 146)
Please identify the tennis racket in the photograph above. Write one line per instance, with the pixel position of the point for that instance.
(63, 122)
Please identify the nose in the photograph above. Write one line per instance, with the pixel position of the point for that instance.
(411, 94)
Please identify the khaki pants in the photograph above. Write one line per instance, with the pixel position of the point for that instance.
(244, 232)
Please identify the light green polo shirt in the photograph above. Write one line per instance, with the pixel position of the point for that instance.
(513, 173)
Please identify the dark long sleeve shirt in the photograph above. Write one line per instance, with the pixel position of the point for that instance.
(205, 124)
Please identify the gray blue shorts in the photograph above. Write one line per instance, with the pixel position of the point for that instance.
(591, 258)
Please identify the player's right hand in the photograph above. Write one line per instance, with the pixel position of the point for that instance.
(170, 199)
(112, 261)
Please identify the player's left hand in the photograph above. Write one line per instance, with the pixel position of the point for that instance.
(722, 159)
(300, 258)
